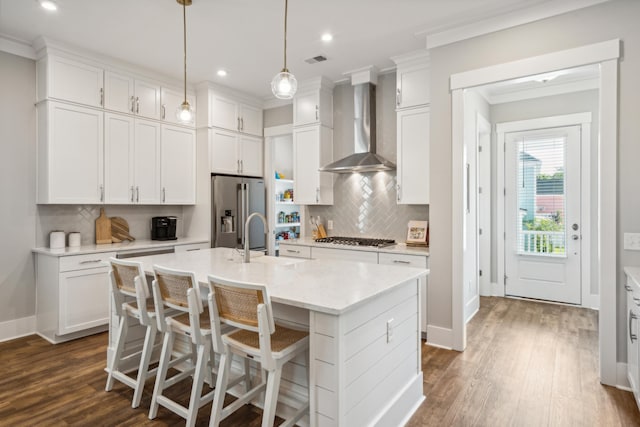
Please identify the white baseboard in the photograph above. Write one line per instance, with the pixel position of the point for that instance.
(591, 301)
(440, 337)
(16, 328)
(497, 290)
(622, 382)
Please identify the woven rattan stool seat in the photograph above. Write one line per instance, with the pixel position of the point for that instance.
(151, 307)
(282, 338)
(204, 320)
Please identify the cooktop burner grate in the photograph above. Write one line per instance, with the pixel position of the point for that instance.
(356, 241)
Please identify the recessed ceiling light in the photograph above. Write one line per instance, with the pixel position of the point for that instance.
(327, 37)
(222, 73)
(48, 5)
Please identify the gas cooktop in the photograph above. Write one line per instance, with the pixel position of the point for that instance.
(356, 241)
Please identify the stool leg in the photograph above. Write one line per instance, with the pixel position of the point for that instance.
(117, 354)
(247, 375)
(221, 389)
(161, 375)
(198, 381)
(145, 357)
(271, 397)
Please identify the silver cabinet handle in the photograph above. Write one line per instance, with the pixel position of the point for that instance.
(317, 194)
(632, 317)
(102, 97)
(164, 111)
(468, 172)
(164, 195)
(238, 165)
(91, 261)
(291, 251)
(102, 193)
(137, 105)
(398, 192)
(133, 104)
(241, 123)
(238, 123)
(241, 166)
(398, 97)
(137, 194)
(399, 261)
(628, 288)
(317, 112)
(132, 192)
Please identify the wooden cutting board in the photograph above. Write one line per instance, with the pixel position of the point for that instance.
(120, 230)
(103, 229)
(322, 233)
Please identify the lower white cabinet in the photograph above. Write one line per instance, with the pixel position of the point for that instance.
(178, 165)
(633, 324)
(72, 295)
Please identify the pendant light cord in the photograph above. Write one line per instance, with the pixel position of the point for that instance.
(286, 7)
(184, 26)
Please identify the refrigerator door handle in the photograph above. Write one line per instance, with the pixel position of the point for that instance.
(240, 223)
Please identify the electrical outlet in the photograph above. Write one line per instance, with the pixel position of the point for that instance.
(389, 330)
(632, 241)
(329, 224)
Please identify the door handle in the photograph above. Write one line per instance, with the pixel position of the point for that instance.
(398, 194)
(398, 97)
(102, 97)
(137, 194)
(628, 288)
(164, 111)
(632, 337)
(575, 237)
(574, 227)
(164, 194)
(468, 189)
(238, 123)
(102, 193)
(241, 123)
(137, 105)
(317, 113)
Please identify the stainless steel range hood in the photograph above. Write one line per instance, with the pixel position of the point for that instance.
(364, 158)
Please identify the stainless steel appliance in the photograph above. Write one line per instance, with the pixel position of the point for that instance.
(234, 199)
(163, 227)
(357, 241)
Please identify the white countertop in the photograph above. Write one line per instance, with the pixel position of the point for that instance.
(118, 247)
(327, 286)
(398, 248)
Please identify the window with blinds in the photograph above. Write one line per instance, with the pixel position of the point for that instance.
(541, 189)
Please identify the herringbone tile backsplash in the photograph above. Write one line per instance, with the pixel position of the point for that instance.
(364, 205)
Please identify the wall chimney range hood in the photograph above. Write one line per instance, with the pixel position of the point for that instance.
(364, 158)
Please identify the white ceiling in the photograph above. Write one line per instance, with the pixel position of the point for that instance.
(245, 36)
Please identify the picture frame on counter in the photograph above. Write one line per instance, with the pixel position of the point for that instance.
(418, 233)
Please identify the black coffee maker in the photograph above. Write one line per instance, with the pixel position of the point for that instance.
(163, 228)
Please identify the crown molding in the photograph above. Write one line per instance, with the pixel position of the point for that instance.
(17, 46)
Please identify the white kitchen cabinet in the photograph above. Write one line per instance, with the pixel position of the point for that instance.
(132, 160)
(72, 295)
(633, 345)
(413, 156)
(313, 107)
(170, 101)
(294, 251)
(70, 154)
(312, 149)
(227, 113)
(65, 79)
(235, 154)
(178, 165)
(412, 80)
(126, 94)
(344, 255)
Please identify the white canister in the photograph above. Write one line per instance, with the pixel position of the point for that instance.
(74, 239)
(56, 240)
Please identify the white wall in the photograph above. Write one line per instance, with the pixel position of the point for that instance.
(17, 186)
(615, 19)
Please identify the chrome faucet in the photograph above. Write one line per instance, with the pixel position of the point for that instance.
(247, 256)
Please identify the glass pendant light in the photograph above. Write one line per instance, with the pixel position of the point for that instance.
(185, 113)
(284, 84)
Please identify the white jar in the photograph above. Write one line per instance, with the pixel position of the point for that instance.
(74, 239)
(56, 240)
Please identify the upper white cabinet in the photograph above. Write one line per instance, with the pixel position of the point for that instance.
(178, 170)
(170, 101)
(313, 104)
(227, 113)
(251, 154)
(127, 94)
(65, 79)
(70, 154)
(413, 156)
(235, 154)
(132, 160)
(312, 147)
(412, 80)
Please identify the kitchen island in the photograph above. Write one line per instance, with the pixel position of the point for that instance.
(364, 365)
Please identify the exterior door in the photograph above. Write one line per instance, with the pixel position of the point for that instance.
(542, 214)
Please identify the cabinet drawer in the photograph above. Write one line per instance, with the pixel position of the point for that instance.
(295, 251)
(83, 262)
(192, 247)
(345, 255)
(403, 259)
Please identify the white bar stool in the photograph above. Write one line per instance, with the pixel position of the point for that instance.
(128, 280)
(179, 290)
(247, 306)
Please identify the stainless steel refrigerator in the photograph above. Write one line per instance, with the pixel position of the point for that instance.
(234, 199)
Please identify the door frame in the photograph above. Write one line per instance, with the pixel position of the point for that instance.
(578, 119)
(606, 54)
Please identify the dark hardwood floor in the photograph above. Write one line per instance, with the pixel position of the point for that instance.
(527, 364)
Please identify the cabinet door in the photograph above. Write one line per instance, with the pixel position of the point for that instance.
(146, 160)
(118, 161)
(224, 113)
(178, 165)
(632, 340)
(171, 100)
(250, 154)
(84, 300)
(223, 151)
(147, 102)
(118, 92)
(413, 156)
(251, 120)
(306, 159)
(306, 108)
(74, 81)
(72, 163)
(412, 86)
